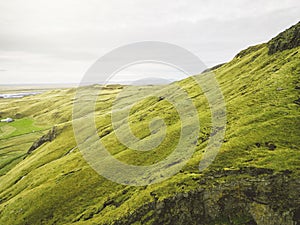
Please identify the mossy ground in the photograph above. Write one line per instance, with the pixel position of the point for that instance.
(55, 185)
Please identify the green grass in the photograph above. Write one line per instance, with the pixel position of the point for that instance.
(18, 127)
(15, 140)
(55, 185)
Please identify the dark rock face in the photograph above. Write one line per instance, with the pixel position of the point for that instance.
(270, 145)
(297, 101)
(160, 98)
(50, 136)
(18, 116)
(288, 39)
(257, 144)
(266, 199)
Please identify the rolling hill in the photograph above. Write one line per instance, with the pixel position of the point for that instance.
(253, 180)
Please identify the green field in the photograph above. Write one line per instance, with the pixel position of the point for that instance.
(18, 127)
(253, 180)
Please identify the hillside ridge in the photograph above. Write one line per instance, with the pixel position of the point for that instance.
(253, 180)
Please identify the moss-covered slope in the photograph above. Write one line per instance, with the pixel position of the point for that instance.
(253, 180)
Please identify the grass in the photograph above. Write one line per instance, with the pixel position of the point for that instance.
(55, 185)
(15, 140)
(18, 127)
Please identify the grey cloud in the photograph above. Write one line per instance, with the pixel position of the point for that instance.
(60, 39)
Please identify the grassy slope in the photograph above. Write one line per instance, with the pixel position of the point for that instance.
(55, 185)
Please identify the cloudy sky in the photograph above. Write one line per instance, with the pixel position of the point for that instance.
(43, 41)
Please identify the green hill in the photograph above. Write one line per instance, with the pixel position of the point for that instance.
(253, 180)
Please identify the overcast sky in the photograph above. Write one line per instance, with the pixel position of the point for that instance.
(43, 41)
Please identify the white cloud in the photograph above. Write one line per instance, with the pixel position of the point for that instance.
(56, 41)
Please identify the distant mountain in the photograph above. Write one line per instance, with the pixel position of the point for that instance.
(143, 81)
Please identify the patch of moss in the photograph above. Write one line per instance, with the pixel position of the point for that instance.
(55, 185)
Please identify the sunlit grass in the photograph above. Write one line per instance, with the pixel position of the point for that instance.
(54, 184)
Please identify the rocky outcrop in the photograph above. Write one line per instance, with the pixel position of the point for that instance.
(50, 136)
(260, 197)
(288, 39)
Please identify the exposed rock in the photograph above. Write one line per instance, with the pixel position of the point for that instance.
(18, 115)
(287, 39)
(160, 98)
(297, 101)
(50, 136)
(268, 199)
(270, 145)
(257, 144)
